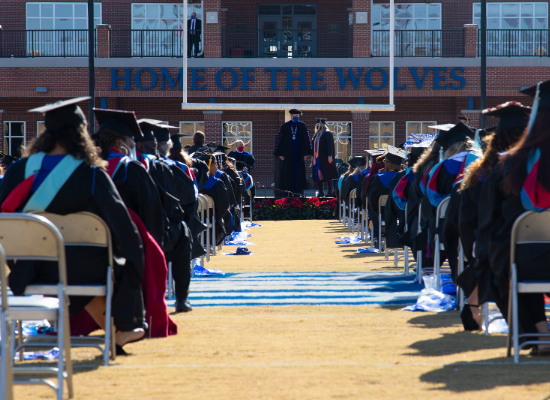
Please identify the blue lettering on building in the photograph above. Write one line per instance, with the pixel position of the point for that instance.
(296, 78)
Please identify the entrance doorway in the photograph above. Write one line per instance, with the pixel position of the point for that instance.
(287, 31)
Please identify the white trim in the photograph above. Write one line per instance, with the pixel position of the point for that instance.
(378, 136)
(53, 17)
(237, 137)
(4, 136)
(37, 125)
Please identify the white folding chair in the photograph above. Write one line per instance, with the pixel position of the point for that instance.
(461, 270)
(530, 227)
(352, 210)
(6, 373)
(211, 222)
(439, 217)
(381, 203)
(371, 247)
(419, 252)
(82, 229)
(406, 249)
(42, 242)
(249, 206)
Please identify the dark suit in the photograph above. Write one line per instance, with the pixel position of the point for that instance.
(193, 37)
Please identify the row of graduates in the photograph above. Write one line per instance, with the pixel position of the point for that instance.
(135, 176)
(492, 176)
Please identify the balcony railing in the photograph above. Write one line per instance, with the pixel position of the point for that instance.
(148, 43)
(287, 43)
(44, 43)
(515, 42)
(420, 43)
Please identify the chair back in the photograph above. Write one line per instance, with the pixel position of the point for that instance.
(442, 210)
(82, 229)
(382, 202)
(3, 281)
(352, 195)
(32, 237)
(530, 227)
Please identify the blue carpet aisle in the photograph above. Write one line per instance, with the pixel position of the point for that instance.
(303, 288)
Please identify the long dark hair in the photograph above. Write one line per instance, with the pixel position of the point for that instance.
(105, 139)
(497, 143)
(75, 140)
(428, 158)
(179, 155)
(515, 162)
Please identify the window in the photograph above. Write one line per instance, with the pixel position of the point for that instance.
(342, 138)
(382, 134)
(59, 29)
(14, 137)
(420, 127)
(239, 130)
(40, 128)
(417, 16)
(515, 29)
(158, 29)
(188, 128)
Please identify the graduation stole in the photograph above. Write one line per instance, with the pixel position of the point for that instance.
(115, 160)
(453, 165)
(386, 177)
(469, 159)
(399, 192)
(212, 180)
(247, 179)
(316, 141)
(424, 179)
(185, 168)
(145, 159)
(533, 196)
(48, 189)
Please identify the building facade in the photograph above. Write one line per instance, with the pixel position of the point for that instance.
(284, 52)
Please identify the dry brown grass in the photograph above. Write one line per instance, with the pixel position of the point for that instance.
(308, 352)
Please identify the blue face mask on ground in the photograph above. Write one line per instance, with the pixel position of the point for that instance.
(296, 119)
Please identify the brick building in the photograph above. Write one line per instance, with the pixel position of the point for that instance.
(253, 51)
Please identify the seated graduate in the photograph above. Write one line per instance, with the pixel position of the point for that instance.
(394, 213)
(115, 138)
(216, 189)
(244, 156)
(519, 182)
(198, 143)
(65, 154)
(356, 163)
(235, 186)
(5, 163)
(514, 118)
(376, 165)
(380, 185)
(249, 189)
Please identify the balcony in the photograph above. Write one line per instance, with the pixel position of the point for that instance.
(44, 43)
(420, 43)
(515, 43)
(287, 43)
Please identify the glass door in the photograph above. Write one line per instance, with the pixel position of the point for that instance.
(270, 35)
(305, 40)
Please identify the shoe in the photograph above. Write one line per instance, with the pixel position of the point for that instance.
(467, 317)
(535, 352)
(119, 350)
(183, 305)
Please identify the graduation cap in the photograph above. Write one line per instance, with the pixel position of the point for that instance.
(124, 122)
(456, 134)
(358, 161)
(147, 129)
(419, 140)
(63, 113)
(544, 88)
(321, 120)
(375, 153)
(512, 115)
(395, 155)
(222, 148)
(177, 142)
(464, 118)
(442, 127)
(295, 111)
(7, 160)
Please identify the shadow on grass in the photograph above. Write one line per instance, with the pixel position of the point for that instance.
(440, 320)
(489, 374)
(456, 343)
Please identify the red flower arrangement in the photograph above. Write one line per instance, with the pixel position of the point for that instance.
(294, 208)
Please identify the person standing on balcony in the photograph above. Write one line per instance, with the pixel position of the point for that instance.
(293, 146)
(194, 30)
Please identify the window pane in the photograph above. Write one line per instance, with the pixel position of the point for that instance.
(541, 23)
(199, 126)
(420, 11)
(46, 10)
(64, 23)
(152, 10)
(434, 24)
(17, 129)
(510, 23)
(81, 10)
(510, 10)
(526, 23)
(169, 11)
(305, 10)
(138, 24)
(16, 144)
(80, 23)
(46, 23)
(40, 128)
(63, 10)
(420, 24)
(33, 23)
(527, 10)
(6, 129)
(187, 128)
(97, 10)
(269, 9)
(152, 24)
(477, 10)
(33, 10)
(493, 23)
(541, 10)
(376, 10)
(493, 10)
(139, 11)
(385, 10)
(404, 11)
(287, 10)
(434, 10)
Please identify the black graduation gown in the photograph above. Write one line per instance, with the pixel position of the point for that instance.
(216, 189)
(467, 224)
(394, 216)
(497, 213)
(140, 194)
(200, 169)
(326, 150)
(348, 184)
(283, 148)
(238, 189)
(450, 233)
(415, 199)
(89, 189)
(379, 186)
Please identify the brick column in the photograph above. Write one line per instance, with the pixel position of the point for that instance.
(361, 28)
(212, 31)
(103, 41)
(213, 126)
(470, 40)
(360, 133)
